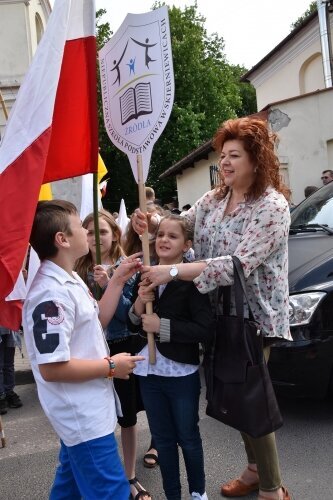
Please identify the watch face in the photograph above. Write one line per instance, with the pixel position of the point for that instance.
(174, 272)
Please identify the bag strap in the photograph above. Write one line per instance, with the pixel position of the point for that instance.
(240, 292)
(240, 288)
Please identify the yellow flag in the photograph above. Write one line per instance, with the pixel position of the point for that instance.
(45, 192)
(102, 170)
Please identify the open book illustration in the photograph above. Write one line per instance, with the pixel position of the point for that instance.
(135, 102)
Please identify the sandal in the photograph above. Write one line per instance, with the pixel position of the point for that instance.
(140, 491)
(237, 488)
(150, 456)
(286, 495)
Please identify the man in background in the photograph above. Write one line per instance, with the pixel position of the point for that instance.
(327, 176)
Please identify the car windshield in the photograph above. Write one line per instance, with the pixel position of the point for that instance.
(317, 210)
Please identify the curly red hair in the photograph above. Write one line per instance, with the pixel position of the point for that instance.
(259, 142)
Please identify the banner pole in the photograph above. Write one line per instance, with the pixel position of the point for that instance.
(96, 227)
(146, 257)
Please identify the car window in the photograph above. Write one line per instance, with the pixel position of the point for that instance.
(316, 209)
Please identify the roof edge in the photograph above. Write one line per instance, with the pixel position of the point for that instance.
(245, 77)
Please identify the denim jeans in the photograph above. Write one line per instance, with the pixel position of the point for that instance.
(172, 406)
(7, 372)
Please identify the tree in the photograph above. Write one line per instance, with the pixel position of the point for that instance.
(312, 8)
(208, 92)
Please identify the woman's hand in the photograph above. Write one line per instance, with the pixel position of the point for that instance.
(127, 268)
(151, 323)
(146, 295)
(156, 275)
(101, 276)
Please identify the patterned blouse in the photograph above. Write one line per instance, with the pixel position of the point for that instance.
(257, 233)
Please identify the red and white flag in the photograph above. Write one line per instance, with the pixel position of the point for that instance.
(52, 129)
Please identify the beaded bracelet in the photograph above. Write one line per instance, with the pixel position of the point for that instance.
(112, 367)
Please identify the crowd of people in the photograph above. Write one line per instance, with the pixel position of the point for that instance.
(85, 323)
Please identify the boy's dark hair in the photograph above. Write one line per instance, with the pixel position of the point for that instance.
(50, 218)
(186, 229)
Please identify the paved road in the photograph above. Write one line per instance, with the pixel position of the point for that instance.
(305, 444)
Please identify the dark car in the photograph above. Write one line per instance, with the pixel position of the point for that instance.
(304, 367)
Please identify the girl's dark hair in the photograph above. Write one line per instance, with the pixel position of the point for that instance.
(259, 142)
(51, 217)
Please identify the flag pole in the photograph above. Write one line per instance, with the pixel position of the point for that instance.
(96, 226)
(146, 257)
(2, 434)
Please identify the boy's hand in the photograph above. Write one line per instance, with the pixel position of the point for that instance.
(145, 295)
(127, 268)
(125, 364)
(101, 276)
(151, 323)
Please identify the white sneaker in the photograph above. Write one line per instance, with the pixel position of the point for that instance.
(198, 496)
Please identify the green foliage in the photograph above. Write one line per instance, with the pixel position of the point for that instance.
(207, 92)
(312, 8)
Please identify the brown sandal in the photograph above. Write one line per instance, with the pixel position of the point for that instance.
(237, 488)
(286, 495)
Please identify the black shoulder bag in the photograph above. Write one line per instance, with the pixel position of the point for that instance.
(239, 389)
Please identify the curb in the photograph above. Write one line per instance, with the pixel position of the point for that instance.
(23, 377)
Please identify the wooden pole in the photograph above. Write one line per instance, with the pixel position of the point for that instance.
(2, 434)
(146, 257)
(96, 226)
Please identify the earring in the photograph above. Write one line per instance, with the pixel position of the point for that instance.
(255, 170)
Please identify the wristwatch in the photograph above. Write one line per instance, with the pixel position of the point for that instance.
(174, 272)
(112, 366)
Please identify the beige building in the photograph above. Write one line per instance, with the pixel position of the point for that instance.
(291, 94)
(22, 24)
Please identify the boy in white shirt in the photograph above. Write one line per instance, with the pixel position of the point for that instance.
(63, 327)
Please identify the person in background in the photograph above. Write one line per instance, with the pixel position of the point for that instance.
(117, 334)
(170, 388)
(150, 195)
(309, 190)
(8, 398)
(327, 176)
(246, 215)
(70, 360)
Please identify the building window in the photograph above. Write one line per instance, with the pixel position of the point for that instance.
(39, 27)
(214, 175)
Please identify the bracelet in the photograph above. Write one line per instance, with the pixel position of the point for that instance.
(112, 366)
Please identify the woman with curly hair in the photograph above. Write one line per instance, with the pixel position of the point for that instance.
(246, 215)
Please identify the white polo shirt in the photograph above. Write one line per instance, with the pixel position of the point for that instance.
(60, 321)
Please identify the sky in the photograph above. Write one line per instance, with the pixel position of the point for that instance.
(250, 28)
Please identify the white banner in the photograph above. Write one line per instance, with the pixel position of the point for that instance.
(138, 84)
